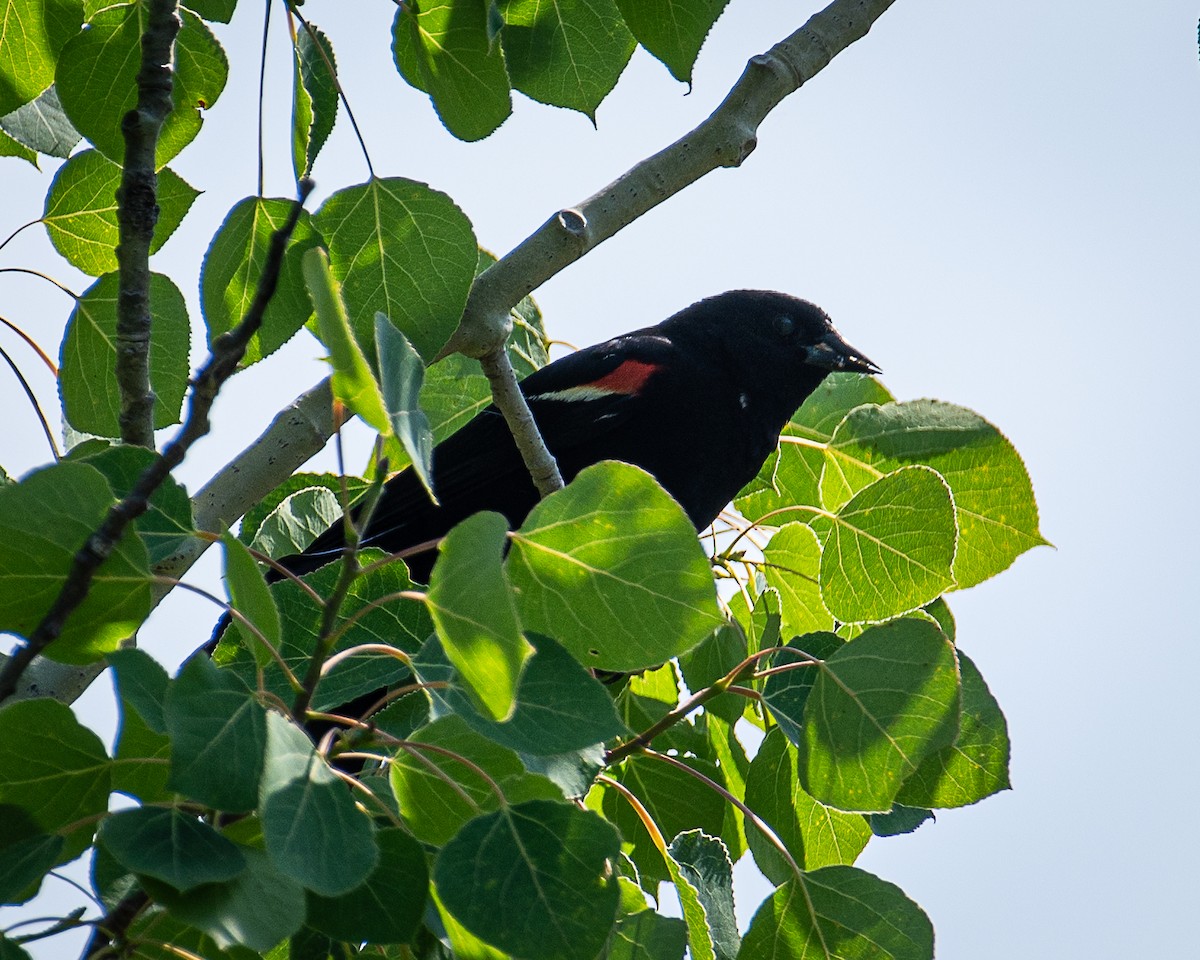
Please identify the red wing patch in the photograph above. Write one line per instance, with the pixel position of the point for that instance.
(626, 379)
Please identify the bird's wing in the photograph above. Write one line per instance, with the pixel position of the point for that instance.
(578, 402)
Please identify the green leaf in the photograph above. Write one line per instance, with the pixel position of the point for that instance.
(455, 388)
(838, 912)
(11, 148)
(793, 567)
(250, 595)
(10, 951)
(143, 758)
(353, 383)
(533, 880)
(257, 514)
(53, 768)
(401, 373)
(700, 938)
(939, 610)
(400, 623)
(27, 854)
(465, 945)
(422, 779)
(814, 834)
(724, 746)
(87, 381)
(220, 11)
(760, 622)
(785, 693)
(167, 525)
(792, 476)
(993, 497)
(388, 906)
(313, 830)
(880, 705)
(976, 764)
(257, 909)
(676, 801)
(42, 126)
(573, 773)
(472, 607)
(171, 846)
(890, 548)
(898, 821)
(560, 707)
(399, 247)
(142, 684)
(723, 650)
(611, 568)
(97, 79)
(567, 53)
(44, 520)
(81, 210)
(314, 97)
(296, 522)
(672, 30)
(233, 267)
(34, 32)
(442, 47)
(642, 934)
(218, 735)
(704, 862)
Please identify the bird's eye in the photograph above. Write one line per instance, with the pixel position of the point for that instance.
(784, 325)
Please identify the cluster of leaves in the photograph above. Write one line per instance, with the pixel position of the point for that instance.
(510, 804)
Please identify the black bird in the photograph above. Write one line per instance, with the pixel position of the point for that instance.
(698, 401)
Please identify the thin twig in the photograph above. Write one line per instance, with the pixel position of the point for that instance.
(262, 87)
(33, 401)
(327, 635)
(725, 139)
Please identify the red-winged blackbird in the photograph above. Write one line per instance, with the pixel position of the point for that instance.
(698, 401)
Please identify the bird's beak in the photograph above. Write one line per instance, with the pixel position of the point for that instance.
(834, 353)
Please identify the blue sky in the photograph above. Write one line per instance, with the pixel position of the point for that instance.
(999, 204)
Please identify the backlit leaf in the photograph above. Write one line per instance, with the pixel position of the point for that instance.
(402, 248)
(44, 520)
(890, 549)
(879, 706)
(87, 381)
(611, 568)
(835, 913)
(442, 47)
(81, 210)
(993, 497)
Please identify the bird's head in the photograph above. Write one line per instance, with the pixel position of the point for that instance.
(770, 338)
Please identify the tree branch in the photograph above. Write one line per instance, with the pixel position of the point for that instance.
(137, 214)
(227, 351)
(725, 139)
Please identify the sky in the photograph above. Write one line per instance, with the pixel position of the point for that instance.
(999, 204)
